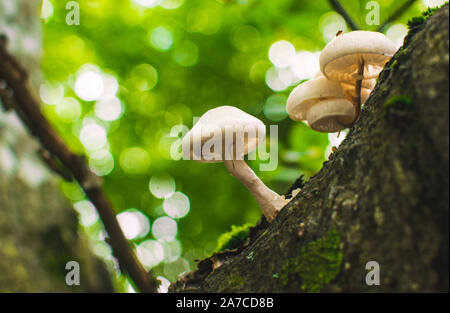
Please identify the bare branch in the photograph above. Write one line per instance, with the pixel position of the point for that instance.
(342, 11)
(54, 164)
(27, 107)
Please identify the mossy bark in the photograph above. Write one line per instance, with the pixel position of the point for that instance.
(382, 196)
(38, 236)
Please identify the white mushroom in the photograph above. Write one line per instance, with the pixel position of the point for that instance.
(322, 104)
(366, 88)
(226, 134)
(350, 88)
(356, 56)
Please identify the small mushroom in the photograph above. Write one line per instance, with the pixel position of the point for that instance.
(356, 56)
(226, 134)
(322, 104)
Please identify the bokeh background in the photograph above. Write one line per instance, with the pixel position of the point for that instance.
(116, 85)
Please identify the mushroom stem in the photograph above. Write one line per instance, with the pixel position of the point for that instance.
(269, 201)
(358, 87)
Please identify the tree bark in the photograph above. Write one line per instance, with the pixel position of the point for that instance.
(382, 196)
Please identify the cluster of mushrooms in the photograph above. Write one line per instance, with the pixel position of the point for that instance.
(330, 102)
(349, 66)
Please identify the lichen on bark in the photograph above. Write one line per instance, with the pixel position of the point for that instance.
(318, 263)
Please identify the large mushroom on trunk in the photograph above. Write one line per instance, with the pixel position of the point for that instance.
(226, 134)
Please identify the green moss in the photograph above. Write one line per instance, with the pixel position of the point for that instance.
(394, 64)
(397, 103)
(318, 263)
(419, 20)
(416, 21)
(430, 11)
(234, 238)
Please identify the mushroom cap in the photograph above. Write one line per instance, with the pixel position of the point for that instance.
(331, 115)
(307, 94)
(217, 126)
(341, 57)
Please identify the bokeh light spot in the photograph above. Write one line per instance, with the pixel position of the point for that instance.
(143, 77)
(282, 53)
(148, 3)
(108, 109)
(134, 160)
(89, 85)
(246, 38)
(177, 205)
(51, 94)
(164, 228)
(172, 250)
(305, 64)
(164, 285)
(150, 253)
(110, 86)
(433, 3)
(134, 224)
(162, 186)
(330, 24)
(161, 38)
(101, 162)
(68, 110)
(87, 211)
(275, 107)
(173, 270)
(171, 4)
(46, 9)
(397, 33)
(273, 80)
(93, 136)
(186, 54)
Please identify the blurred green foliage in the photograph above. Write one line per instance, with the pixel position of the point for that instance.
(174, 60)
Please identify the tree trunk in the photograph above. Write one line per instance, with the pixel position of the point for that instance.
(382, 196)
(38, 227)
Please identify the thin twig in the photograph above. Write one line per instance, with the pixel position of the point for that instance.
(28, 109)
(342, 11)
(396, 14)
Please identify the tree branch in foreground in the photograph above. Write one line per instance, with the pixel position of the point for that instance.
(27, 107)
(342, 11)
